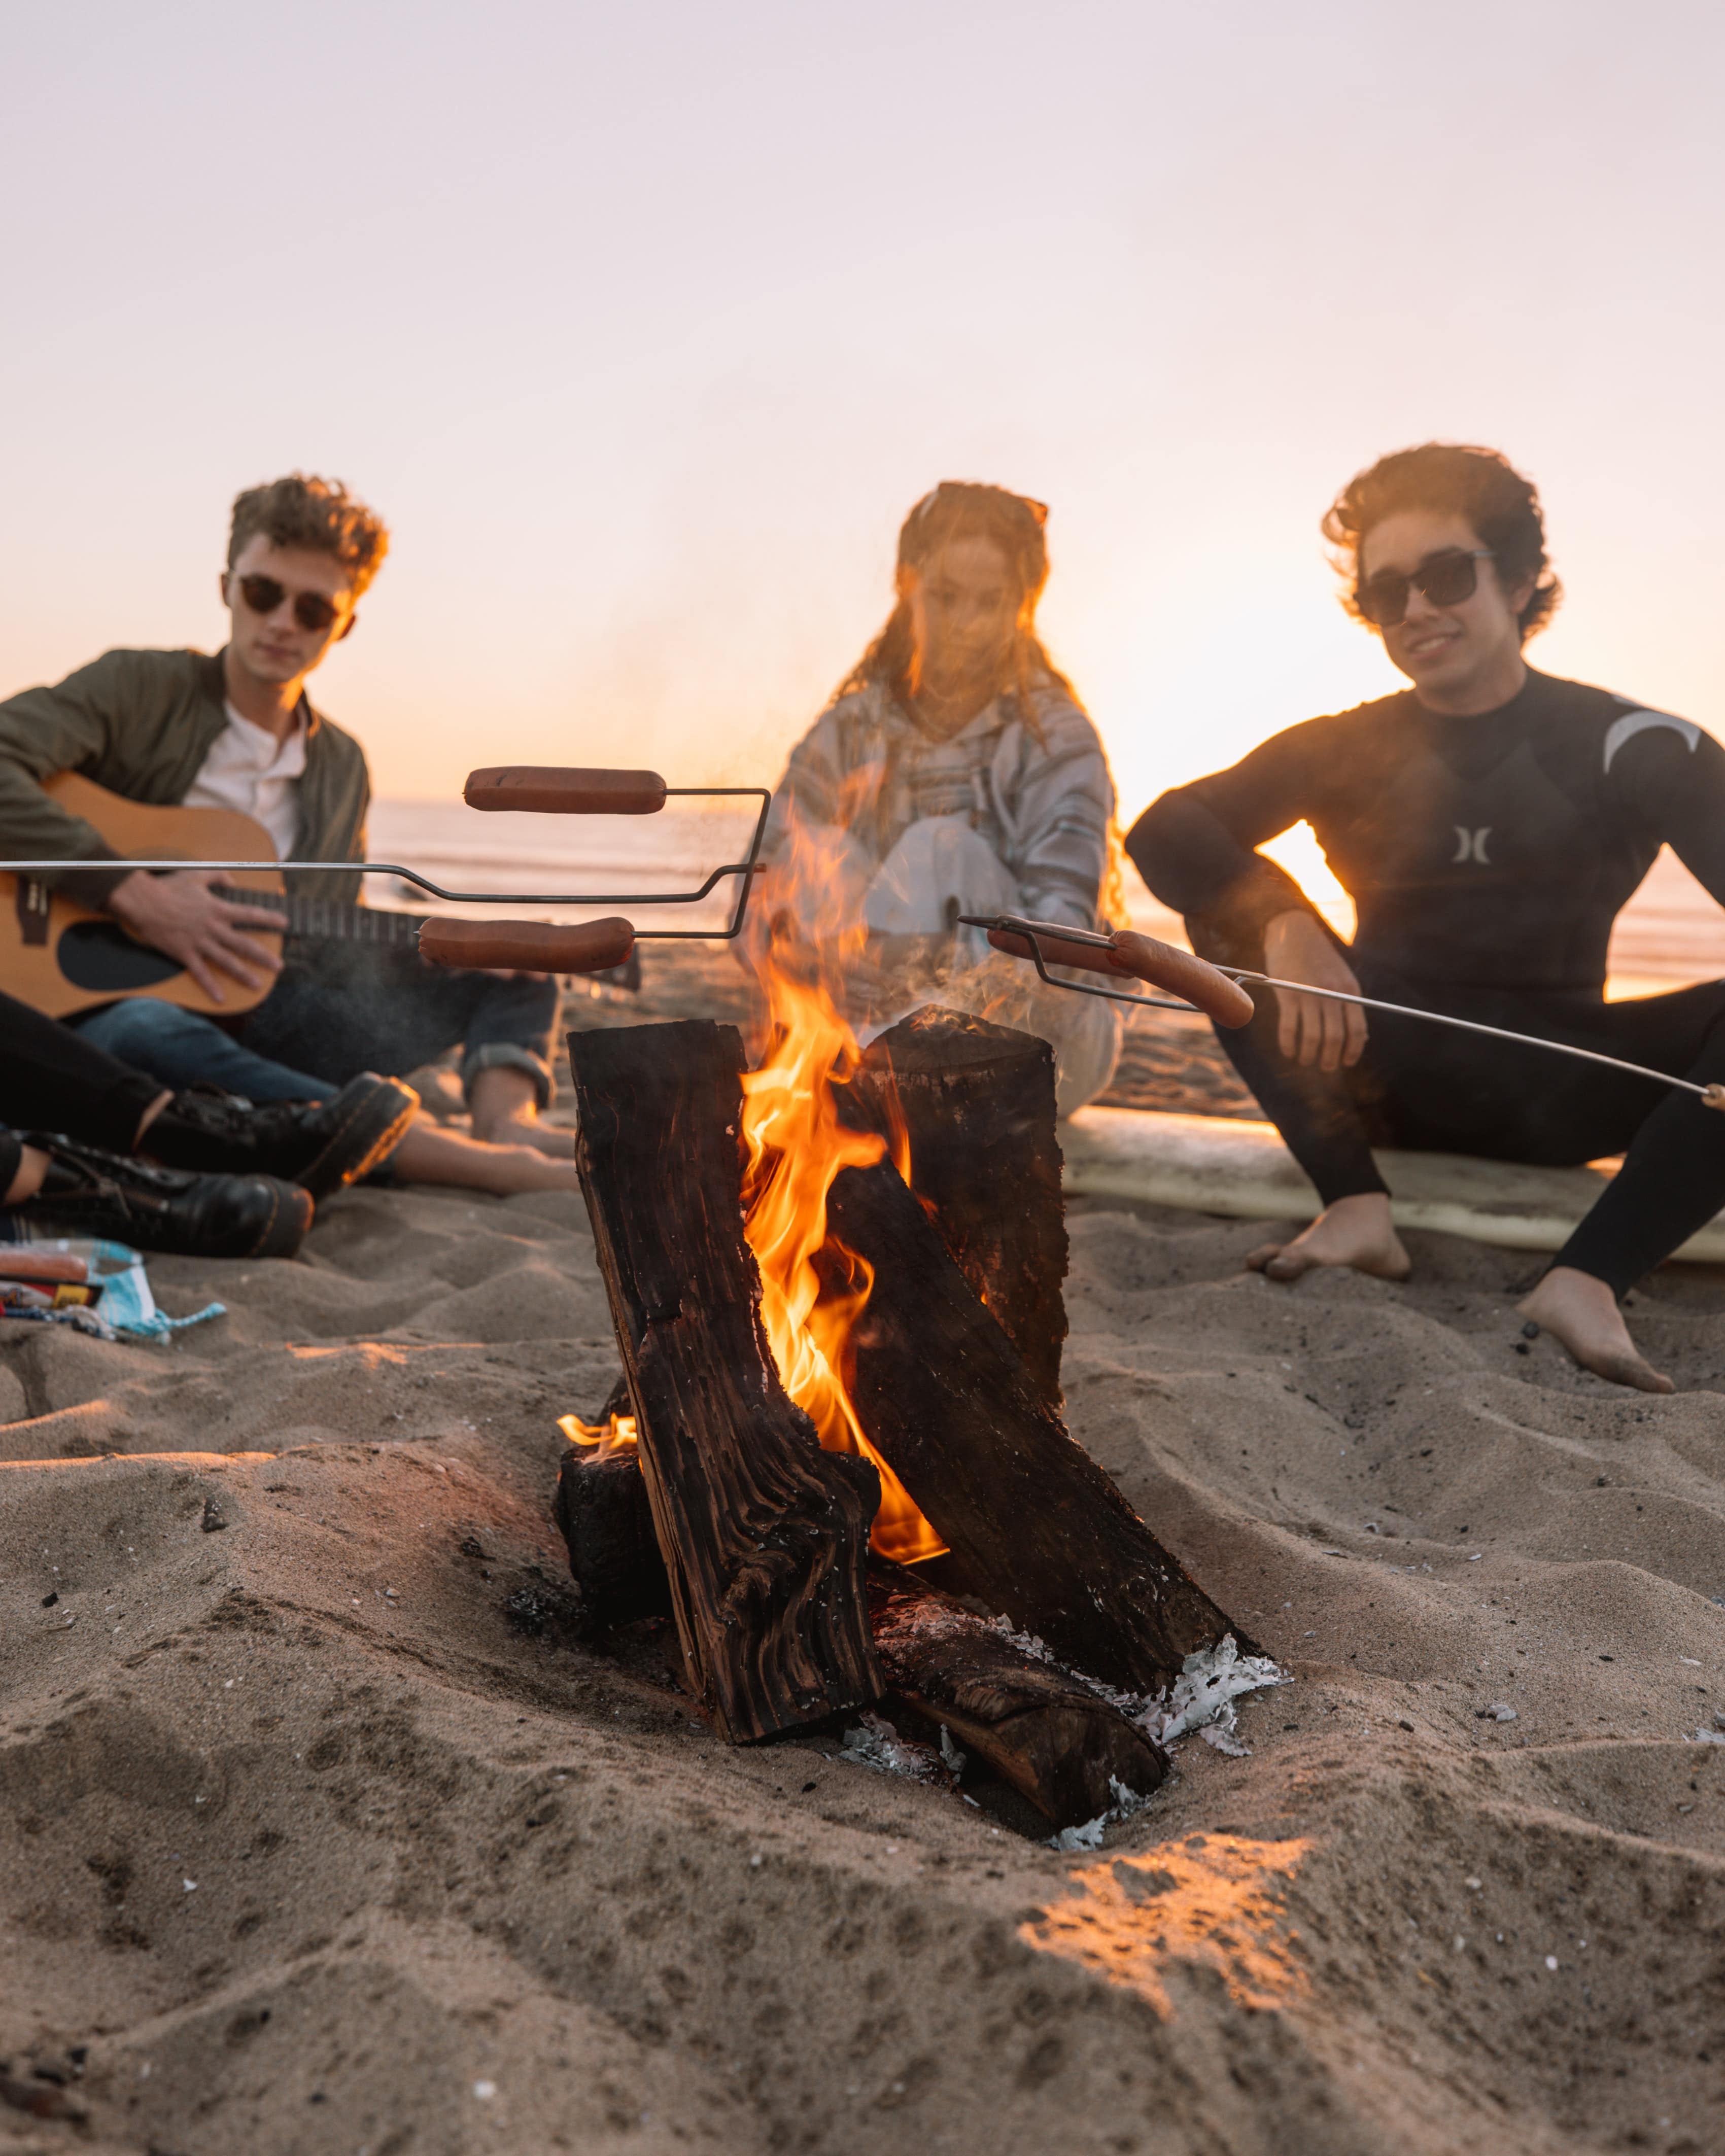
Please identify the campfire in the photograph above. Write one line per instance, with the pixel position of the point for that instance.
(836, 1457)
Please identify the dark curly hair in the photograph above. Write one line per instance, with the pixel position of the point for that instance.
(966, 509)
(1480, 485)
(301, 510)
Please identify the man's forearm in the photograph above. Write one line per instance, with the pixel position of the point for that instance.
(1192, 863)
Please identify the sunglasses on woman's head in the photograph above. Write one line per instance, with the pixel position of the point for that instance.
(1445, 579)
(311, 609)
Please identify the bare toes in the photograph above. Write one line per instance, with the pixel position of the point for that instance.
(1257, 1259)
(1632, 1370)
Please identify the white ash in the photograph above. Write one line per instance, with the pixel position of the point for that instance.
(878, 1744)
(1203, 1696)
(1027, 1643)
(1089, 1835)
(950, 1753)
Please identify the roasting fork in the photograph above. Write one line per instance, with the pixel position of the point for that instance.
(540, 946)
(1215, 991)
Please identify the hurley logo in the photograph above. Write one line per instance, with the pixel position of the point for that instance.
(1470, 845)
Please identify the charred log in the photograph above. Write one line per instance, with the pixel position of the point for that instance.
(1036, 1530)
(763, 1535)
(1053, 1739)
(978, 1104)
(603, 1508)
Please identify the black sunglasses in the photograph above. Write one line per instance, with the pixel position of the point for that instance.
(311, 609)
(1445, 579)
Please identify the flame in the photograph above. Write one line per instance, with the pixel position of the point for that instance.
(616, 1435)
(794, 1145)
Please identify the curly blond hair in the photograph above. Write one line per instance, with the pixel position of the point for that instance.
(304, 510)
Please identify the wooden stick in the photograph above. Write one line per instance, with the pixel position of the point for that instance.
(763, 1535)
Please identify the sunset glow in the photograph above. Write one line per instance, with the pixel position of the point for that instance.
(645, 378)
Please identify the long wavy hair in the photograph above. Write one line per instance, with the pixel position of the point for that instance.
(965, 508)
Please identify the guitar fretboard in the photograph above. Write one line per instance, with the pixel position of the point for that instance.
(332, 917)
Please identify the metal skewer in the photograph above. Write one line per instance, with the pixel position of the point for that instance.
(587, 947)
(747, 870)
(1034, 933)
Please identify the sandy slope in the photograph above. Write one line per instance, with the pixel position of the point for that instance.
(432, 1853)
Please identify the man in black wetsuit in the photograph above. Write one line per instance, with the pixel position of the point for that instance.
(1489, 824)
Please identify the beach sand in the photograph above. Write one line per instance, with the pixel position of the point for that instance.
(323, 1831)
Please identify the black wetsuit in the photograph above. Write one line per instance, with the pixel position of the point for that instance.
(1487, 858)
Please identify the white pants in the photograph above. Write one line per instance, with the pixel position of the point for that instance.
(917, 954)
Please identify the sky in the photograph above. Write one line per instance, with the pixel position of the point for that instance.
(644, 325)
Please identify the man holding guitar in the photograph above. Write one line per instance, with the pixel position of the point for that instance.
(238, 733)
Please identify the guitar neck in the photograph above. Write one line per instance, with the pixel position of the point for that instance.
(332, 917)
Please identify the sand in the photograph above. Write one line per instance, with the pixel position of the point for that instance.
(322, 1831)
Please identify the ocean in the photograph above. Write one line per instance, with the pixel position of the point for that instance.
(1669, 934)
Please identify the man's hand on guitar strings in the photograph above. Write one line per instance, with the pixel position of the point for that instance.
(180, 915)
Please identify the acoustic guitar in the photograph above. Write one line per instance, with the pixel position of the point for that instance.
(62, 957)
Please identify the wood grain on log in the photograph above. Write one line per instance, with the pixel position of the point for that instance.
(763, 1535)
(1041, 1732)
(1049, 1737)
(978, 1101)
(1036, 1530)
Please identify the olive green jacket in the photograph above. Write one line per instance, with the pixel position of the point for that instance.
(140, 723)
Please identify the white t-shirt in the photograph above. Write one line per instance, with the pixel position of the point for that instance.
(249, 770)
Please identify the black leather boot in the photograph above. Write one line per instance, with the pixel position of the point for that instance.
(320, 1145)
(86, 1192)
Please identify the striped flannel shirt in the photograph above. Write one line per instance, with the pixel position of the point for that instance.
(1044, 805)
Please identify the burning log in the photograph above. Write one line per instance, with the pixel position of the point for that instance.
(1052, 1738)
(603, 1510)
(1035, 1529)
(764, 1534)
(976, 1102)
(1049, 1737)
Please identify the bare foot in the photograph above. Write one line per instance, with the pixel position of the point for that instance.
(1354, 1231)
(527, 1129)
(1583, 1313)
(430, 1154)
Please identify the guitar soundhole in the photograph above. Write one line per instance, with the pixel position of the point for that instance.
(99, 956)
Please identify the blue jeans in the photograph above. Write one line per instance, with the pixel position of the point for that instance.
(179, 1048)
(337, 1009)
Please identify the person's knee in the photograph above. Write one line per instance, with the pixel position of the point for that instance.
(940, 865)
(508, 1055)
(1084, 1057)
(130, 1031)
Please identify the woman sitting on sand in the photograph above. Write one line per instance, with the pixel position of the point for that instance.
(954, 772)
